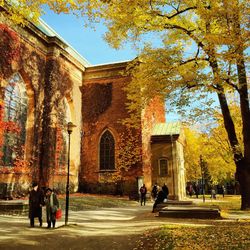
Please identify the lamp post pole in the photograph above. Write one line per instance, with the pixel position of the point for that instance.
(202, 178)
(70, 127)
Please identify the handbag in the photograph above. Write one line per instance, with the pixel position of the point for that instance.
(58, 213)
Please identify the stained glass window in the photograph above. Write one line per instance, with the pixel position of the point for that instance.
(15, 116)
(107, 151)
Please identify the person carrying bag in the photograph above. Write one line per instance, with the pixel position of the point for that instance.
(52, 206)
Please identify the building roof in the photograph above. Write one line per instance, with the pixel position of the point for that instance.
(166, 132)
(48, 31)
(168, 128)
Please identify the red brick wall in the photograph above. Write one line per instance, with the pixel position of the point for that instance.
(154, 113)
(109, 116)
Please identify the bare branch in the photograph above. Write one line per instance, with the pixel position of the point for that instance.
(195, 59)
(178, 12)
(188, 32)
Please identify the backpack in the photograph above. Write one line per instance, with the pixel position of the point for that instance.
(143, 190)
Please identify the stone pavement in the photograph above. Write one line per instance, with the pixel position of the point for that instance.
(109, 228)
(105, 229)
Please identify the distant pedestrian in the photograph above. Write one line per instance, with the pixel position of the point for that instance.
(159, 199)
(196, 190)
(190, 190)
(213, 193)
(165, 190)
(143, 192)
(154, 191)
(36, 201)
(223, 190)
(52, 206)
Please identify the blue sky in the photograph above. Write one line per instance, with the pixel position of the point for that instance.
(87, 41)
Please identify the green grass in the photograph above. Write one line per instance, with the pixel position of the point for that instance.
(195, 234)
(228, 203)
(84, 202)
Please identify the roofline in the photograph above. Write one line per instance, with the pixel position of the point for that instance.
(106, 66)
(56, 37)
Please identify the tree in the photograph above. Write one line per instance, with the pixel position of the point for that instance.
(215, 150)
(22, 10)
(201, 51)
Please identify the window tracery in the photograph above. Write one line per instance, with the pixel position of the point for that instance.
(107, 151)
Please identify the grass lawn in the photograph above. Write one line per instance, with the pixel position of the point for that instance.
(198, 234)
(84, 201)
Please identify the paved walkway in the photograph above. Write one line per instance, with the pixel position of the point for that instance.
(102, 229)
(108, 228)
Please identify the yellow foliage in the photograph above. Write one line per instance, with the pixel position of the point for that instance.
(214, 148)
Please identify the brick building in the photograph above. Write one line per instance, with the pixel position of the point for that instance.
(45, 84)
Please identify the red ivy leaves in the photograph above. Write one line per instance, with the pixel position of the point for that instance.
(9, 49)
(10, 46)
(20, 165)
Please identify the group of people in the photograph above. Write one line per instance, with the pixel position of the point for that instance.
(158, 196)
(39, 198)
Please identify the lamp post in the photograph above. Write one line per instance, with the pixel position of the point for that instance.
(70, 127)
(202, 177)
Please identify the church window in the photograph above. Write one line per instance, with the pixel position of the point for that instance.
(107, 151)
(14, 118)
(163, 167)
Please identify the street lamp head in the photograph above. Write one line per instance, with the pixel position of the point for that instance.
(70, 127)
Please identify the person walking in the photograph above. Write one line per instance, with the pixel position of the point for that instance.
(165, 190)
(143, 191)
(36, 201)
(52, 204)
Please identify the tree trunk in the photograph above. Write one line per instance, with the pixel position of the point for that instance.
(229, 125)
(241, 162)
(241, 159)
(243, 176)
(243, 167)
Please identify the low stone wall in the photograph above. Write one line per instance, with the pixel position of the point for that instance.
(14, 207)
(121, 188)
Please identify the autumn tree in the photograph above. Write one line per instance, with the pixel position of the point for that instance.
(200, 50)
(214, 148)
(198, 47)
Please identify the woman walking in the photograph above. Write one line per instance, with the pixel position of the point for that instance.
(52, 205)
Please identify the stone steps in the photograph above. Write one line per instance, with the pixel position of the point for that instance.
(172, 202)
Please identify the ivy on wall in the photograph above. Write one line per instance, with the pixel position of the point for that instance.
(97, 99)
(57, 85)
(49, 81)
(9, 50)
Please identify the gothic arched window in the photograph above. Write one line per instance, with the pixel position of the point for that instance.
(15, 116)
(107, 151)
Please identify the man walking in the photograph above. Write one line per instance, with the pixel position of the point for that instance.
(143, 191)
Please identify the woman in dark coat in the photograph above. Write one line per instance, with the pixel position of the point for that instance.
(159, 199)
(52, 205)
(36, 201)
